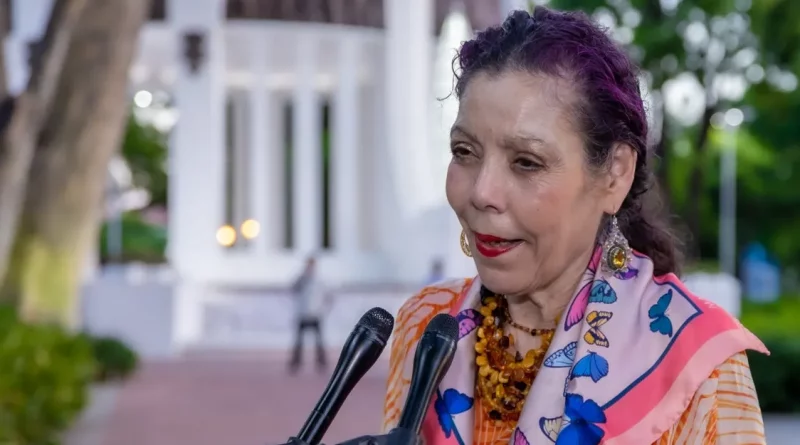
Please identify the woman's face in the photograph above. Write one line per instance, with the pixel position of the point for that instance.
(519, 183)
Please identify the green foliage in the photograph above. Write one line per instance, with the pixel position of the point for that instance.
(114, 359)
(773, 320)
(145, 151)
(141, 241)
(701, 267)
(776, 377)
(45, 373)
(769, 141)
(775, 21)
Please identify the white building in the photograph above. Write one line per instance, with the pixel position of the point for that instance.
(298, 132)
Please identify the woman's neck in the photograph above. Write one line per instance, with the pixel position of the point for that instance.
(540, 308)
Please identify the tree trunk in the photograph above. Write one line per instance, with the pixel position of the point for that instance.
(83, 130)
(5, 12)
(696, 183)
(661, 150)
(22, 119)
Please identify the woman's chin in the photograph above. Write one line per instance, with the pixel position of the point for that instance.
(502, 282)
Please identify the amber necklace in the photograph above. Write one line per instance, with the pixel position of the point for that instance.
(504, 379)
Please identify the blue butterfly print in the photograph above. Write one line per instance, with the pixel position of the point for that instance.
(592, 365)
(583, 417)
(563, 358)
(449, 404)
(602, 292)
(658, 312)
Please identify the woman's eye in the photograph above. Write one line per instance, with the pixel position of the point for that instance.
(527, 164)
(460, 151)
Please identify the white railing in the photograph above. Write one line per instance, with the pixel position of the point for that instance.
(143, 306)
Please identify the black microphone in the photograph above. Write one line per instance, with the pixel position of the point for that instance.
(432, 359)
(360, 352)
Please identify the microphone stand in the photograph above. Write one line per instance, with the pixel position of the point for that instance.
(296, 441)
(397, 436)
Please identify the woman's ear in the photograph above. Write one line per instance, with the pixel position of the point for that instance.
(621, 172)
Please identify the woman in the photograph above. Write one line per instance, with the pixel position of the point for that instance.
(576, 330)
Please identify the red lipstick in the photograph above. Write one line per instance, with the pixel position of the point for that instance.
(492, 246)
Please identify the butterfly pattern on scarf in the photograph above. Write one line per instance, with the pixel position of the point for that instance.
(519, 438)
(583, 358)
(658, 313)
(448, 404)
(468, 321)
(578, 426)
(562, 358)
(629, 274)
(594, 336)
(598, 291)
(592, 365)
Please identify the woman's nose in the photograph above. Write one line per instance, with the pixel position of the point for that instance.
(488, 191)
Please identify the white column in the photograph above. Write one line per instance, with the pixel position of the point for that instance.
(197, 148)
(307, 162)
(346, 147)
(262, 153)
(29, 20)
(242, 195)
(196, 159)
(409, 59)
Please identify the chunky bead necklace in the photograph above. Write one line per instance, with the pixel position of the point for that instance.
(504, 379)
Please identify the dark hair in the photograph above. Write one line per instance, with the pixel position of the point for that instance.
(610, 109)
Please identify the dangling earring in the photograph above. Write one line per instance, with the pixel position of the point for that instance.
(464, 244)
(616, 251)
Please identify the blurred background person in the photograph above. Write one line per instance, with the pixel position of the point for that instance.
(437, 272)
(311, 300)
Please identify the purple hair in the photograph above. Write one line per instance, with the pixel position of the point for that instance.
(609, 109)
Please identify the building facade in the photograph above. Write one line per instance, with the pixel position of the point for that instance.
(300, 128)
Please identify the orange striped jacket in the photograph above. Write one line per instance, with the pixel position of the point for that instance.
(723, 411)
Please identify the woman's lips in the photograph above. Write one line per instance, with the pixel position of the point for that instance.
(492, 246)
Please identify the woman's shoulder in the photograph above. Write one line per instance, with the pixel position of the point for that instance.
(666, 289)
(725, 407)
(431, 300)
(671, 305)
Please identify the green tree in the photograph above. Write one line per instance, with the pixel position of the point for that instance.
(769, 202)
(710, 40)
(144, 148)
(22, 117)
(81, 131)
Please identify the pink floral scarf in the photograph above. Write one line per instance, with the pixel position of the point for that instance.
(626, 359)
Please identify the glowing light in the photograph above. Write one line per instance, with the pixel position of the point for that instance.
(143, 99)
(250, 229)
(734, 117)
(226, 236)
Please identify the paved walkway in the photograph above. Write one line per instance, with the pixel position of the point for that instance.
(246, 401)
(239, 401)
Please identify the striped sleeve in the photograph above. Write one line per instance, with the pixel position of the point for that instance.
(724, 411)
(410, 323)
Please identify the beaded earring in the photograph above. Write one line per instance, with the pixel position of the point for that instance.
(616, 250)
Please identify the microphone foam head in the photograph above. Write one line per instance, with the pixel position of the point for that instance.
(379, 322)
(443, 325)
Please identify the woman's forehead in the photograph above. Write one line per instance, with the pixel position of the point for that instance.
(516, 105)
